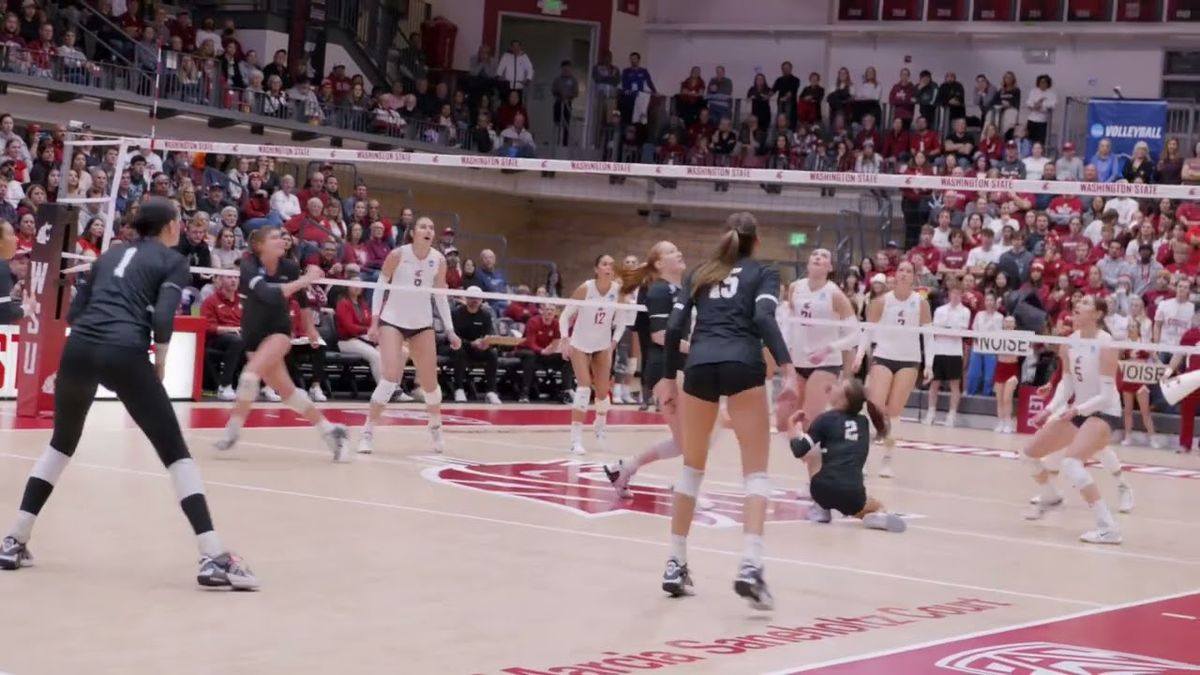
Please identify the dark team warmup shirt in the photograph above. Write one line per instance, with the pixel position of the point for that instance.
(659, 298)
(10, 308)
(845, 440)
(264, 309)
(133, 290)
(735, 318)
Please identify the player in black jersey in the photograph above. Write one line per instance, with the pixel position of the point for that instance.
(658, 283)
(132, 290)
(11, 311)
(836, 470)
(735, 298)
(268, 280)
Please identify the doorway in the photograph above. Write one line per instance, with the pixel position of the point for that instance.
(548, 42)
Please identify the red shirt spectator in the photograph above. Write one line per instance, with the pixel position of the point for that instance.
(973, 300)
(1191, 338)
(1077, 272)
(926, 141)
(1154, 296)
(952, 260)
(220, 311)
(520, 312)
(540, 333)
(257, 205)
(865, 135)
(342, 85)
(309, 228)
(929, 254)
(183, 29)
(992, 147)
(328, 260)
(1062, 207)
(903, 98)
(351, 319)
(896, 142)
(1188, 213)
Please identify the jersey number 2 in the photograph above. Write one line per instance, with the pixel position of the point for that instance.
(726, 289)
(851, 430)
(119, 272)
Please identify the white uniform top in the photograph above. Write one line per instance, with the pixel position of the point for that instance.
(1176, 319)
(406, 309)
(593, 331)
(1084, 369)
(803, 340)
(902, 346)
(957, 318)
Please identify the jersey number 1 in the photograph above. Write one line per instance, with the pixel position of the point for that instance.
(726, 289)
(119, 272)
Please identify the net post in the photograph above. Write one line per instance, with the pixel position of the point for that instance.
(110, 211)
(43, 333)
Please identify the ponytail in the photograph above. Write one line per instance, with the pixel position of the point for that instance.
(739, 239)
(878, 419)
(856, 400)
(632, 280)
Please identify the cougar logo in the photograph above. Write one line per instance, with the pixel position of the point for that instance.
(1048, 658)
(584, 489)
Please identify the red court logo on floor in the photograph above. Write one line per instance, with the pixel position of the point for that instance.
(1048, 658)
(583, 488)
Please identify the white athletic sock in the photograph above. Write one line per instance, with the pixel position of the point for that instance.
(233, 426)
(210, 544)
(23, 527)
(1109, 460)
(1104, 517)
(577, 433)
(325, 425)
(1049, 493)
(435, 420)
(679, 548)
(752, 548)
(369, 427)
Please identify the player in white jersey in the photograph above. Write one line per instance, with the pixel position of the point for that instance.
(1079, 419)
(589, 345)
(816, 350)
(405, 318)
(896, 361)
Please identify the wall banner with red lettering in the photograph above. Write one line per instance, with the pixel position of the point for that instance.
(43, 333)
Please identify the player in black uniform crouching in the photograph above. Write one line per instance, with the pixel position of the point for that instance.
(735, 298)
(836, 469)
(132, 290)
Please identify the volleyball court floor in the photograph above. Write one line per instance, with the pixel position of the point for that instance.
(506, 555)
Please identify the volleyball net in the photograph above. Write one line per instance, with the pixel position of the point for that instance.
(466, 170)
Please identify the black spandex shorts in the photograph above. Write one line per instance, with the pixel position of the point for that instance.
(837, 495)
(1113, 421)
(711, 381)
(808, 372)
(947, 368)
(408, 333)
(254, 339)
(895, 366)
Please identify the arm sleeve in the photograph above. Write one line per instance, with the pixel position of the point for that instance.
(564, 320)
(10, 309)
(377, 296)
(254, 282)
(169, 294)
(765, 304)
(1062, 394)
(1107, 398)
(677, 324)
(442, 302)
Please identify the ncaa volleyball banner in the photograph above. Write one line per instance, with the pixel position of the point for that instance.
(1125, 122)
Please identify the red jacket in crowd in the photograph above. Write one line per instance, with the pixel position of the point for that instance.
(350, 323)
(540, 333)
(219, 311)
(520, 311)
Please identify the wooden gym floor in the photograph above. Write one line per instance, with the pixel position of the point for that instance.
(508, 556)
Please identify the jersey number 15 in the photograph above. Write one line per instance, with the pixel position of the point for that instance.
(725, 289)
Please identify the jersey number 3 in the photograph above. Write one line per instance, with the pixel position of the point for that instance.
(726, 289)
(851, 430)
(119, 271)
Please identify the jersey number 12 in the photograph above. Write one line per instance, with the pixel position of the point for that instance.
(725, 289)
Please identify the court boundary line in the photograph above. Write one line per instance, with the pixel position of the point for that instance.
(1093, 550)
(581, 533)
(985, 633)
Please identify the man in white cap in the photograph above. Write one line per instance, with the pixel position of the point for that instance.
(473, 324)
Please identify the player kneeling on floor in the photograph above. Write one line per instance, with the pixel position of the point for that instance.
(843, 435)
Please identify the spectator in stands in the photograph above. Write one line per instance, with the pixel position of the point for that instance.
(227, 254)
(349, 203)
(352, 319)
(481, 75)
(512, 107)
(1068, 166)
(275, 99)
(1017, 261)
(1170, 165)
(690, 98)
(473, 324)
(278, 67)
(539, 351)
(454, 274)
(515, 70)
(1140, 168)
(565, 90)
(719, 96)
(516, 139)
(924, 140)
(230, 66)
(1011, 166)
(214, 200)
(759, 95)
(786, 89)
(310, 228)
(1108, 165)
(1145, 271)
(867, 96)
(903, 98)
(194, 247)
(1036, 162)
(635, 84)
(222, 312)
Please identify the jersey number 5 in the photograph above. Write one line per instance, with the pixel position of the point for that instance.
(851, 430)
(726, 289)
(119, 271)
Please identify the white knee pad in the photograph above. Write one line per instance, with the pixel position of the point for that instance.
(603, 406)
(1035, 464)
(433, 397)
(248, 384)
(581, 398)
(758, 485)
(298, 401)
(383, 392)
(689, 481)
(1109, 460)
(1075, 473)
